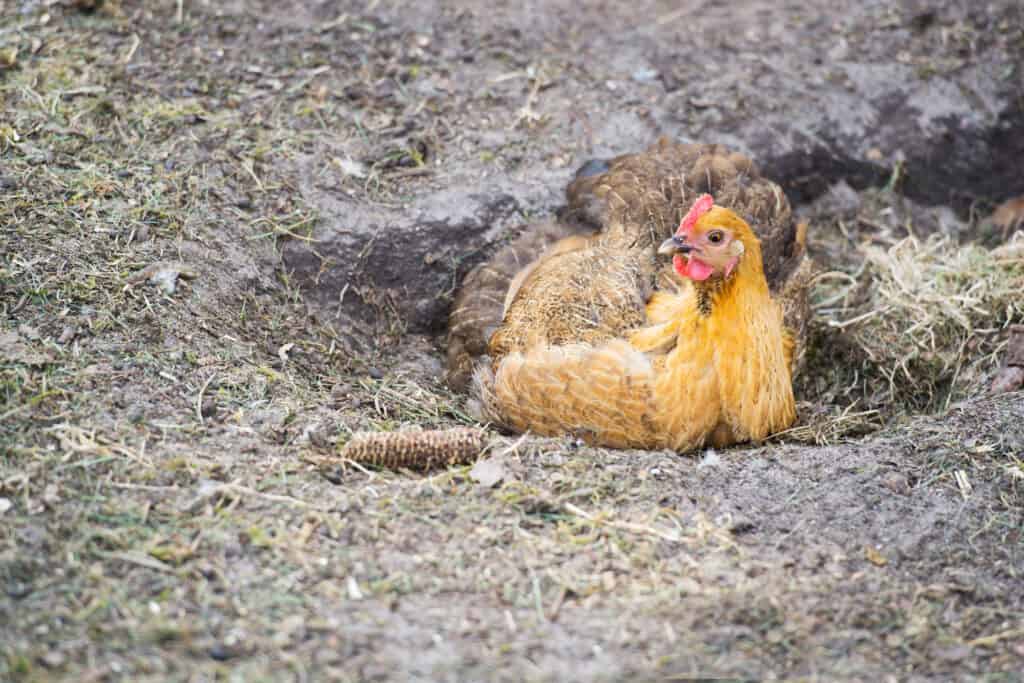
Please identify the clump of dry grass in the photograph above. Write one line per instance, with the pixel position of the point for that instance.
(823, 425)
(923, 322)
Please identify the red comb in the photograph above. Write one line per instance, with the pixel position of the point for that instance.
(699, 208)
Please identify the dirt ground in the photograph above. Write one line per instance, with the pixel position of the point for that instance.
(229, 233)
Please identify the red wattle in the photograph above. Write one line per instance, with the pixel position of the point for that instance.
(679, 263)
(692, 268)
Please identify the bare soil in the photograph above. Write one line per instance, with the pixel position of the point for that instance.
(229, 233)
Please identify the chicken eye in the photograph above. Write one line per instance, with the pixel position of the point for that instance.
(715, 236)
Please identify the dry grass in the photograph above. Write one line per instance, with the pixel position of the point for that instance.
(922, 323)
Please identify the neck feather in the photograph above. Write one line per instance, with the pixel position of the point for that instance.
(746, 286)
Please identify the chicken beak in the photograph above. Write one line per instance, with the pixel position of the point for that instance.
(674, 245)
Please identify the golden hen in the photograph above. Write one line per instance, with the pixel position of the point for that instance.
(708, 366)
(587, 277)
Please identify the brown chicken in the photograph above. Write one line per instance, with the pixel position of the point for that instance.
(709, 365)
(593, 272)
(481, 300)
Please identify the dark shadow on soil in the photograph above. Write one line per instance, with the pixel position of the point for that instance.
(952, 172)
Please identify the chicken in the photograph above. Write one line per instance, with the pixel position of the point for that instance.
(708, 366)
(592, 272)
(653, 189)
(481, 300)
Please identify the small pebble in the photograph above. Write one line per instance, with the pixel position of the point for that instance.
(18, 589)
(742, 525)
(221, 652)
(897, 483)
(54, 659)
(710, 459)
(209, 407)
(645, 75)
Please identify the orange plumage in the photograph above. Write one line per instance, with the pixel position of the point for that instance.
(586, 277)
(709, 365)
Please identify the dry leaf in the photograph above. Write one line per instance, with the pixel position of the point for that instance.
(874, 557)
(488, 472)
(163, 275)
(350, 167)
